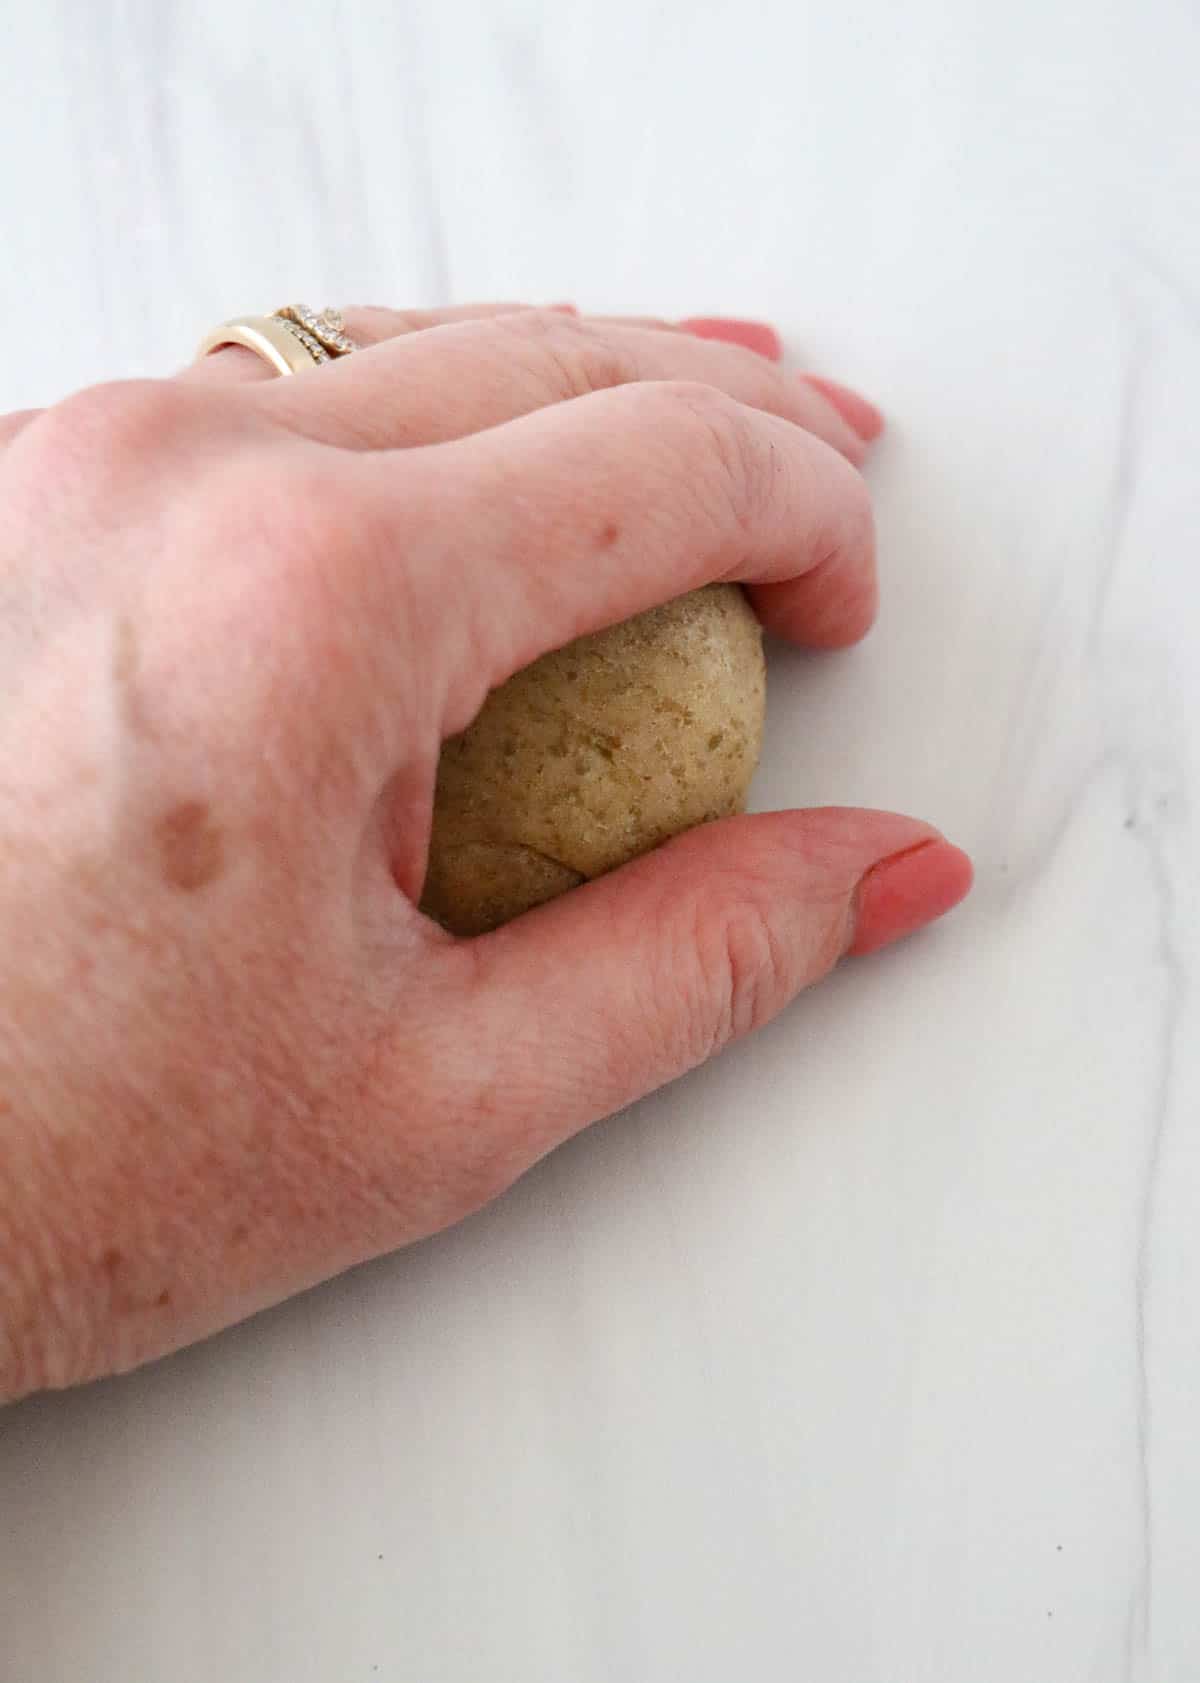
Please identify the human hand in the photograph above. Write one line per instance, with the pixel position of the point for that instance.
(238, 616)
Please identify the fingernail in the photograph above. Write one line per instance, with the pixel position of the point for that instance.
(907, 891)
(564, 309)
(757, 336)
(862, 415)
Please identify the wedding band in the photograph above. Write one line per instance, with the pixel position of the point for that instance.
(292, 340)
(277, 342)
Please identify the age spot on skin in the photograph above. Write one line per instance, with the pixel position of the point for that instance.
(191, 850)
(112, 1266)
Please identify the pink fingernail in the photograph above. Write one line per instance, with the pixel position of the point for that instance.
(862, 415)
(564, 309)
(757, 336)
(908, 890)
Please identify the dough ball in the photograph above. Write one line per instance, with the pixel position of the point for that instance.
(594, 754)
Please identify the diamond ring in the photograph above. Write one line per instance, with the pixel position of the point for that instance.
(326, 327)
(292, 340)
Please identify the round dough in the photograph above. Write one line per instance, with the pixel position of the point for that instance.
(595, 754)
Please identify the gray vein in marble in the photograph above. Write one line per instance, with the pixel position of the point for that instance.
(1149, 832)
(1147, 816)
(1120, 496)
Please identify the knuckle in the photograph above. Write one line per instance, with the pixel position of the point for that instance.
(718, 438)
(750, 972)
(122, 418)
(312, 568)
(478, 1104)
(93, 449)
(571, 357)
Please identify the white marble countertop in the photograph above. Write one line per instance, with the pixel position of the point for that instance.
(872, 1353)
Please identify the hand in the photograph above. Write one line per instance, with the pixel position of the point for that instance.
(238, 615)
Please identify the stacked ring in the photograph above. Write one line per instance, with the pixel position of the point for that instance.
(295, 338)
(327, 327)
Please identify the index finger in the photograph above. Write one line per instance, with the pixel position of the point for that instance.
(581, 515)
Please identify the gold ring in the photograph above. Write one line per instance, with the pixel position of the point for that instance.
(291, 340)
(277, 342)
(327, 327)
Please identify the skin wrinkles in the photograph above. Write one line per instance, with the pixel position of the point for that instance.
(234, 1056)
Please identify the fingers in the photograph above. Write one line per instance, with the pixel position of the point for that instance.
(757, 336)
(375, 325)
(862, 415)
(834, 412)
(366, 324)
(371, 324)
(471, 375)
(687, 949)
(579, 516)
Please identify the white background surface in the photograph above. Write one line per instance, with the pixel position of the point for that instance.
(872, 1354)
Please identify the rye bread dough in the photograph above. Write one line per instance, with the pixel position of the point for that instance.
(594, 754)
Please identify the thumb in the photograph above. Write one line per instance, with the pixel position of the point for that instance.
(597, 998)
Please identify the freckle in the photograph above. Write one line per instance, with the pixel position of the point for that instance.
(609, 535)
(190, 847)
(110, 1262)
(163, 1298)
(240, 1234)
